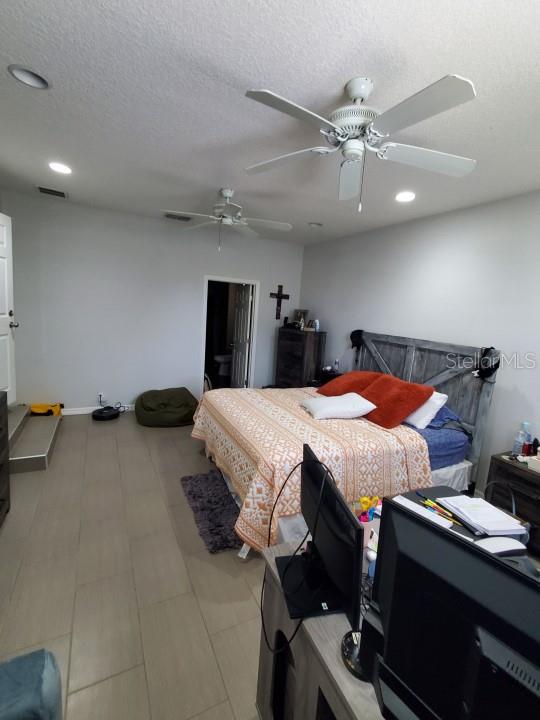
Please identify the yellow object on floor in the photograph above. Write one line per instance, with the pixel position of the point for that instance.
(46, 409)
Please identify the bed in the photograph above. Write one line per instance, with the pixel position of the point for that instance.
(256, 436)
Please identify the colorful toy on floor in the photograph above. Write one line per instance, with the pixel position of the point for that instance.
(367, 505)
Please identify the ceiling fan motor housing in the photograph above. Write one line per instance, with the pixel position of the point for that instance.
(353, 119)
(359, 88)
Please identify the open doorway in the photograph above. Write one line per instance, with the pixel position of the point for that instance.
(229, 333)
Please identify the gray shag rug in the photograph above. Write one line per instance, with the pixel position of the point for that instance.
(214, 510)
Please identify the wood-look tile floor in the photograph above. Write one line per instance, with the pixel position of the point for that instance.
(101, 562)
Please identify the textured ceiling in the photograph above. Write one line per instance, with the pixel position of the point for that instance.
(147, 101)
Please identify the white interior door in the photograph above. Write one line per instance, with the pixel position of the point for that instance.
(242, 336)
(7, 313)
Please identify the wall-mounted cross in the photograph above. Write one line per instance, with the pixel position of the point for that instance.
(279, 296)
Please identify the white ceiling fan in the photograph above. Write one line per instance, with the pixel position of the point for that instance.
(229, 214)
(355, 128)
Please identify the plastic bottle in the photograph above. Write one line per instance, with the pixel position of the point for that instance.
(527, 448)
(523, 436)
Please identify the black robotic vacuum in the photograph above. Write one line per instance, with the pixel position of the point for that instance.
(106, 413)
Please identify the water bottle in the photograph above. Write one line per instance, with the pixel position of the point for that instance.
(523, 436)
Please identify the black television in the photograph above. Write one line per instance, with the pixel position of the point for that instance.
(327, 577)
(460, 627)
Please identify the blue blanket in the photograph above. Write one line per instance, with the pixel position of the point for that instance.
(446, 446)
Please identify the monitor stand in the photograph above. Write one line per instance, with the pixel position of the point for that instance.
(306, 586)
(350, 653)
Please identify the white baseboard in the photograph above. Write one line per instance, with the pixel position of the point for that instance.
(89, 409)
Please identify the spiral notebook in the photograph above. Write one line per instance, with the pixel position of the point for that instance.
(481, 516)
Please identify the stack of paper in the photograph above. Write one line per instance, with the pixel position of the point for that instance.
(481, 516)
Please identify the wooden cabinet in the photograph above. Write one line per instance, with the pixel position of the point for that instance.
(4, 458)
(300, 356)
(506, 478)
(308, 680)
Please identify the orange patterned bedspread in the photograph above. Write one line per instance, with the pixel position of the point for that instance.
(256, 438)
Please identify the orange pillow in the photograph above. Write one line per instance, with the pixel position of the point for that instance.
(395, 399)
(354, 381)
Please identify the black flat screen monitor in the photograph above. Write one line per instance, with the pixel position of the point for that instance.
(461, 627)
(329, 577)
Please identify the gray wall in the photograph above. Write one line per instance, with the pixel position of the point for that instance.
(114, 302)
(468, 277)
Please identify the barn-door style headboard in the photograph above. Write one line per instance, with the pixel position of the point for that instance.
(447, 367)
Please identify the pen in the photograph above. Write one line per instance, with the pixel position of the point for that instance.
(467, 526)
(442, 512)
(438, 507)
(451, 518)
(432, 503)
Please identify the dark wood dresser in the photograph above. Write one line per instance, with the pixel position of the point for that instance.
(300, 356)
(507, 475)
(4, 458)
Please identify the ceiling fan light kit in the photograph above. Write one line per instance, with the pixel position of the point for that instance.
(355, 128)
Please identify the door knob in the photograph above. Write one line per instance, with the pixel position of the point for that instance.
(13, 324)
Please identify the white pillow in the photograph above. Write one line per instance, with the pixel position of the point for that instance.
(421, 418)
(348, 406)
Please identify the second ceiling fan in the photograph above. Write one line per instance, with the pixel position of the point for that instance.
(357, 128)
(227, 213)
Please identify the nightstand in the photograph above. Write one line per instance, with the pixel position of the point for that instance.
(324, 377)
(507, 476)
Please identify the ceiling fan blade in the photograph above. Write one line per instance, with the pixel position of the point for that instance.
(426, 159)
(200, 225)
(448, 92)
(283, 159)
(351, 176)
(244, 230)
(189, 214)
(270, 224)
(266, 97)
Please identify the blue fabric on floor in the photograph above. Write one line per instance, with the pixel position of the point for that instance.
(30, 688)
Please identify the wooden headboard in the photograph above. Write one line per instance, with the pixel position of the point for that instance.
(445, 366)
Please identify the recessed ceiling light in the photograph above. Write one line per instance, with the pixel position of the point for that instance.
(28, 77)
(405, 196)
(60, 168)
(315, 224)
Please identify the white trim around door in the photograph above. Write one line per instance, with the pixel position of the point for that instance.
(254, 321)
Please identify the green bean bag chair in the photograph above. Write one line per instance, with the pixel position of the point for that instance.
(165, 408)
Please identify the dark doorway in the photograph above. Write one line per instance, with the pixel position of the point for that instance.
(228, 333)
